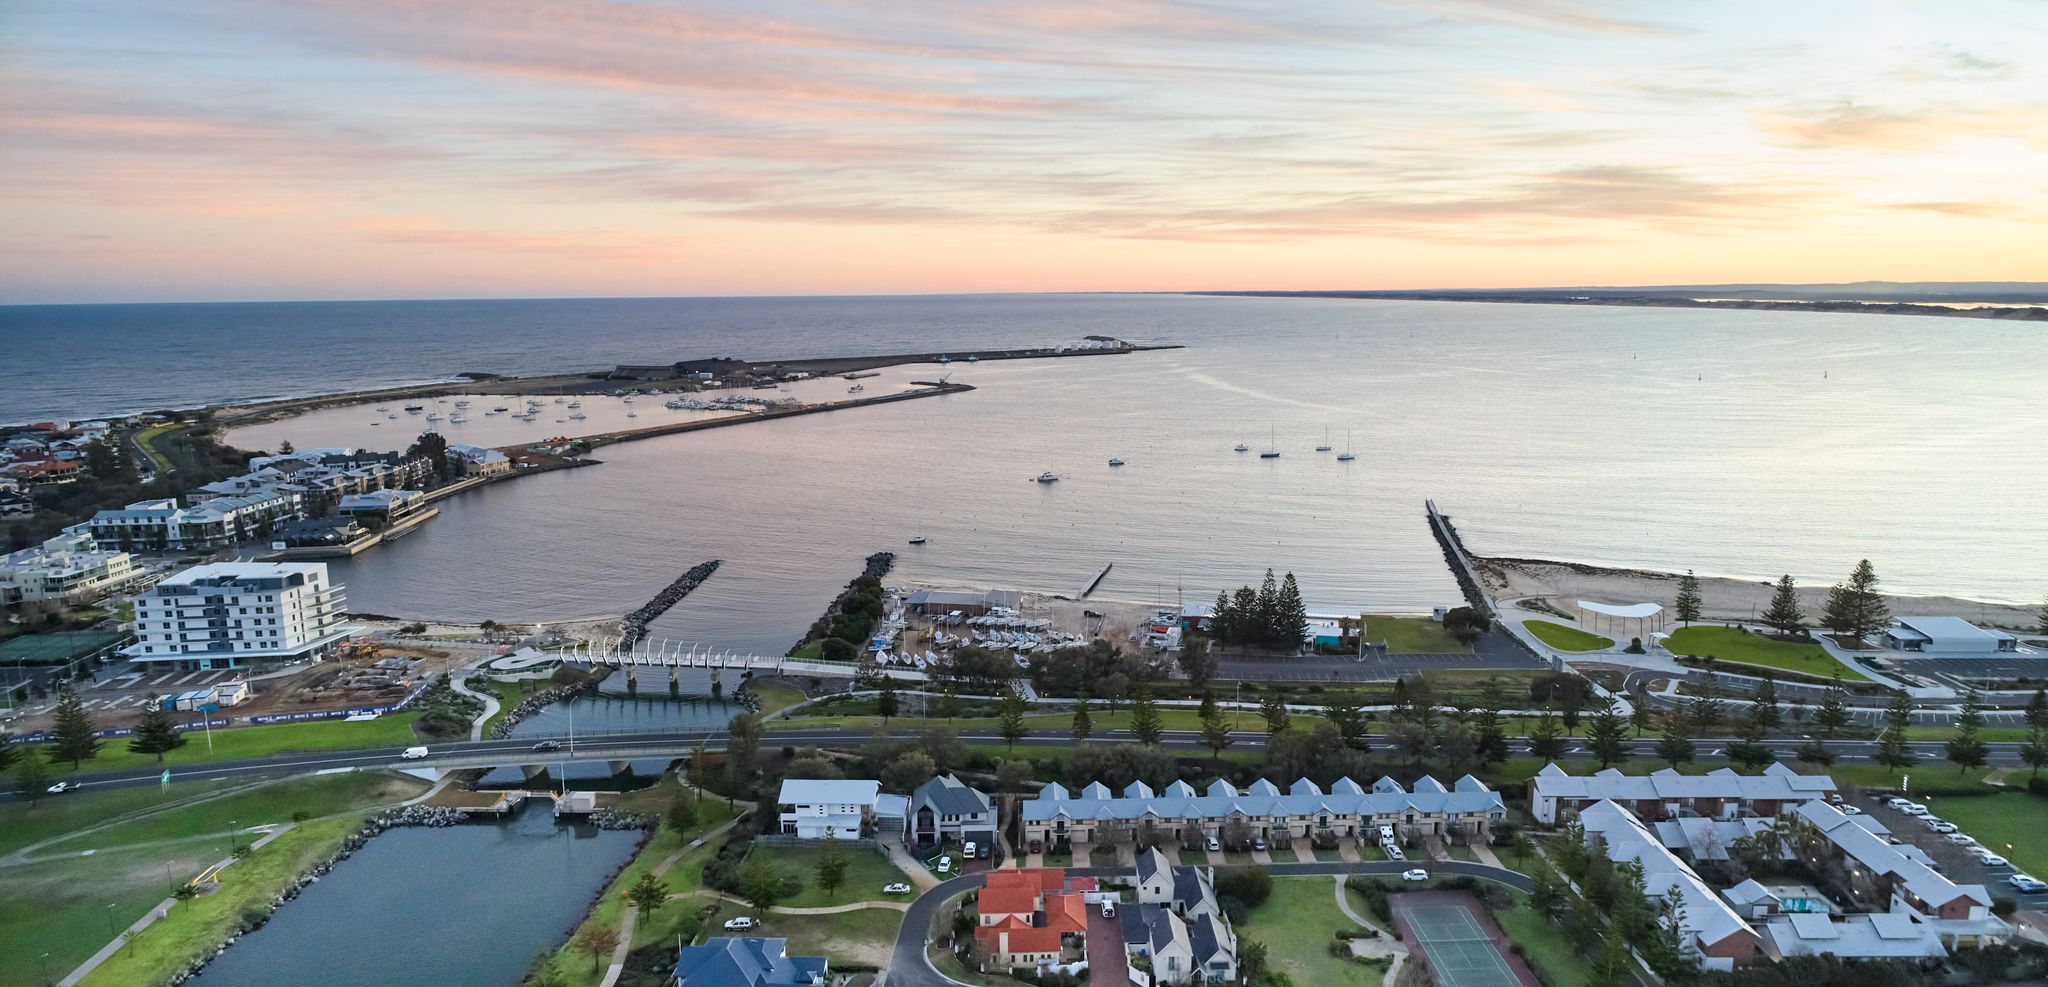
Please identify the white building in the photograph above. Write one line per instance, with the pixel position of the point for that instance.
(1946, 636)
(66, 569)
(809, 807)
(159, 525)
(228, 614)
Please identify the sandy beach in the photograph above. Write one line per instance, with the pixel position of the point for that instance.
(1565, 583)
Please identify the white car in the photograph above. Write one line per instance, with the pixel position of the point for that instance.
(1962, 839)
(1850, 810)
(1989, 859)
(2027, 884)
(1394, 853)
(1896, 802)
(1108, 908)
(968, 851)
(1418, 874)
(736, 924)
(945, 865)
(1940, 826)
(1215, 844)
(61, 787)
(1913, 809)
(896, 889)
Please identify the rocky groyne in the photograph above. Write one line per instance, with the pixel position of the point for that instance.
(548, 697)
(876, 566)
(637, 621)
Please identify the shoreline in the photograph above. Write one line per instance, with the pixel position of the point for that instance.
(1722, 598)
(2037, 313)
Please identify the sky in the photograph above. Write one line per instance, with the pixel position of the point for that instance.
(317, 149)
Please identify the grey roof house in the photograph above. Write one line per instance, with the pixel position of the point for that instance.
(944, 809)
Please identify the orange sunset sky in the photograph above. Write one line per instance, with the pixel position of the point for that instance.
(260, 149)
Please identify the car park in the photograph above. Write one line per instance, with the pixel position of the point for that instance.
(1418, 874)
(736, 924)
(896, 889)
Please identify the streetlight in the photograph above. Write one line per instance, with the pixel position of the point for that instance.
(110, 918)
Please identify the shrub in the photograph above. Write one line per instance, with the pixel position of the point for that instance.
(2004, 907)
(1250, 885)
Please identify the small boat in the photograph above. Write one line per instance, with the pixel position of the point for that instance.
(856, 389)
(500, 408)
(383, 407)
(1271, 452)
(462, 404)
(1346, 456)
(919, 540)
(577, 417)
(433, 418)
(391, 417)
(375, 424)
(1115, 461)
(1325, 447)
(1241, 447)
(1048, 477)
(575, 404)
(458, 420)
(632, 414)
(415, 408)
(560, 400)
(974, 359)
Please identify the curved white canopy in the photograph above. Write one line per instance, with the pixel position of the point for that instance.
(1631, 610)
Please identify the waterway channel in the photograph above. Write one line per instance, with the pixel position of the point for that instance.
(649, 707)
(462, 906)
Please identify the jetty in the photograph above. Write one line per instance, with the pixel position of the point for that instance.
(1097, 581)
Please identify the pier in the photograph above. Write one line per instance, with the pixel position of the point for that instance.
(1097, 581)
(931, 389)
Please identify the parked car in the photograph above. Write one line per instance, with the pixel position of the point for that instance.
(1258, 843)
(1215, 844)
(1108, 908)
(2027, 884)
(1849, 810)
(736, 924)
(985, 847)
(548, 745)
(945, 865)
(1913, 809)
(896, 889)
(60, 787)
(1989, 859)
(1387, 833)
(1940, 826)
(968, 851)
(1418, 874)
(1394, 853)
(1896, 802)
(1037, 845)
(1962, 839)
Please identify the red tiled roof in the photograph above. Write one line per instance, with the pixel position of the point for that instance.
(1008, 901)
(1066, 912)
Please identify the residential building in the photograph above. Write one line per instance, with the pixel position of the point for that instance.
(32, 473)
(1177, 924)
(1900, 878)
(945, 810)
(229, 614)
(315, 532)
(1031, 918)
(15, 504)
(848, 809)
(726, 961)
(67, 569)
(381, 507)
(1878, 935)
(1666, 794)
(1181, 813)
(220, 522)
(479, 461)
(1946, 636)
(1712, 928)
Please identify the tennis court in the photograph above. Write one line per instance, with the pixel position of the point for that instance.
(1461, 951)
(55, 647)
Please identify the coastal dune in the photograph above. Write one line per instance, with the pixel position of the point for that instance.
(1721, 598)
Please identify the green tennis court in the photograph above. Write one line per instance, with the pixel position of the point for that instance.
(1461, 953)
(55, 647)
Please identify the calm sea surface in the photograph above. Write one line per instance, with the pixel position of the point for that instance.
(1736, 443)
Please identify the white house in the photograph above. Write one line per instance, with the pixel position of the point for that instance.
(809, 807)
(228, 614)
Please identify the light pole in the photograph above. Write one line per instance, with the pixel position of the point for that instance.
(110, 919)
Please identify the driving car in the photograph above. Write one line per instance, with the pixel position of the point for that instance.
(896, 889)
(743, 922)
(62, 787)
(548, 745)
(1418, 874)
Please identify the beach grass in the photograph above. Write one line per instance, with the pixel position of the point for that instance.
(1733, 644)
(1297, 923)
(1566, 638)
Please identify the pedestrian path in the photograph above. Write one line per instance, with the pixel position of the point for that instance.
(1377, 947)
(632, 916)
(490, 701)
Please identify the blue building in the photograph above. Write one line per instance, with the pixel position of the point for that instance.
(725, 961)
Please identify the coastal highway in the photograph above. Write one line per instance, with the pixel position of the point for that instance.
(648, 746)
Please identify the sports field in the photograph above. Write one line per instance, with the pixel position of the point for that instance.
(54, 647)
(1461, 951)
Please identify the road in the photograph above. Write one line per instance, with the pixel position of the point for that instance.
(500, 753)
(909, 966)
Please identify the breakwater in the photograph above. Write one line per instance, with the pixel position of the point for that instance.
(543, 699)
(636, 622)
(875, 567)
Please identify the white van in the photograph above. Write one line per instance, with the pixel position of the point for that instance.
(413, 753)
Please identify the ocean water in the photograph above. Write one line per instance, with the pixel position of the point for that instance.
(1732, 443)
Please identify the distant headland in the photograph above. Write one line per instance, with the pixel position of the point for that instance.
(2025, 301)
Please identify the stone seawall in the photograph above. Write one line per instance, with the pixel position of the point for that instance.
(637, 621)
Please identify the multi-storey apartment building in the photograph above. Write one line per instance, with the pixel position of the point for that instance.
(229, 614)
(160, 525)
(67, 569)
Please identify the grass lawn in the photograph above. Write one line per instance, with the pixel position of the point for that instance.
(61, 907)
(1460, 851)
(1566, 638)
(774, 697)
(1412, 635)
(865, 937)
(393, 730)
(1929, 777)
(2009, 823)
(1543, 945)
(867, 870)
(195, 926)
(145, 440)
(317, 796)
(510, 694)
(22, 824)
(1733, 644)
(1297, 925)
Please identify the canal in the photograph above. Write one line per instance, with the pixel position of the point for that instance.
(461, 906)
(647, 706)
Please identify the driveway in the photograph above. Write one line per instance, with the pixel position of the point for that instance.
(1106, 964)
